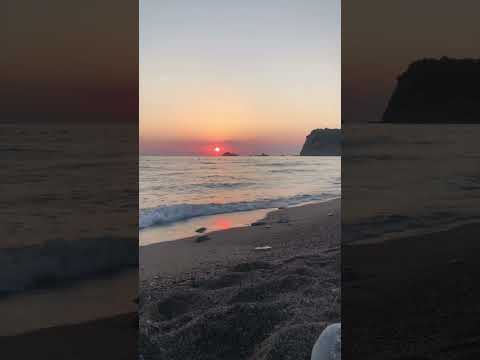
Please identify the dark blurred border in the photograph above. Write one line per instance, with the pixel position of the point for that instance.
(410, 189)
(69, 178)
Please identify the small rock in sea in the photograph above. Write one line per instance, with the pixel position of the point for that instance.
(282, 207)
(201, 230)
(262, 248)
(330, 214)
(202, 238)
(283, 221)
(258, 223)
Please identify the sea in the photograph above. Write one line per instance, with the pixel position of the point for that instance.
(403, 180)
(69, 201)
(179, 194)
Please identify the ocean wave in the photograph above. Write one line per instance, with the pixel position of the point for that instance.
(280, 164)
(224, 185)
(171, 213)
(56, 261)
(292, 171)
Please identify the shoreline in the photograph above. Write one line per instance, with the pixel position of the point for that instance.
(182, 229)
(220, 290)
(41, 309)
(152, 253)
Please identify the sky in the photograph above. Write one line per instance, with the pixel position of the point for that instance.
(69, 61)
(381, 38)
(247, 76)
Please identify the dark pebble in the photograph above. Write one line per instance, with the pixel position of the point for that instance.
(202, 238)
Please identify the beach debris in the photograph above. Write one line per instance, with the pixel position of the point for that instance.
(201, 230)
(330, 214)
(283, 221)
(263, 248)
(268, 226)
(258, 223)
(202, 238)
(328, 344)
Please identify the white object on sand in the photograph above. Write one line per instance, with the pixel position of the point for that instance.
(328, 345)
(262, 248)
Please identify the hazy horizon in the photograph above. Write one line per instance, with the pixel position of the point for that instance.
(247, 77)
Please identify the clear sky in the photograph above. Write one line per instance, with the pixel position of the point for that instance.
(248, 76)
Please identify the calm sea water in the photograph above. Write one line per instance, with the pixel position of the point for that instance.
(174, 191)
(401, 179)
(69, 201)
(60, 182)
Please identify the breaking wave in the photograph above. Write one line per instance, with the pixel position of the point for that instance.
(171, 213)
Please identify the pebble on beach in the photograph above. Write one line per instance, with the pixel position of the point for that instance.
(202, 238)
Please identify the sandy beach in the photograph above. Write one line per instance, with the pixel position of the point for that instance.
(80, 319)
(222, 299)
(107, 338)
(419, 290)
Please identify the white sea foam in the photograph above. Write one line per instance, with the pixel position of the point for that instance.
(168, 214)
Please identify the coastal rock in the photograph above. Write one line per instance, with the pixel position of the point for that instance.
(258, 223)
(323, 142)
(201, 230)
(436, 91)
(229, 154)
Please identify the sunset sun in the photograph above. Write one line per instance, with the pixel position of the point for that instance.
(217, 149)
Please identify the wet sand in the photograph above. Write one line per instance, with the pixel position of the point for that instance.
(221, 299)
(76, 302)
(95, 318)
(418, 295)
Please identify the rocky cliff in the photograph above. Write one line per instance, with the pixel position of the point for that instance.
(323, 142)
(437, 91)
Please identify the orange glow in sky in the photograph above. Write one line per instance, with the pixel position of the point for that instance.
(240, 78)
